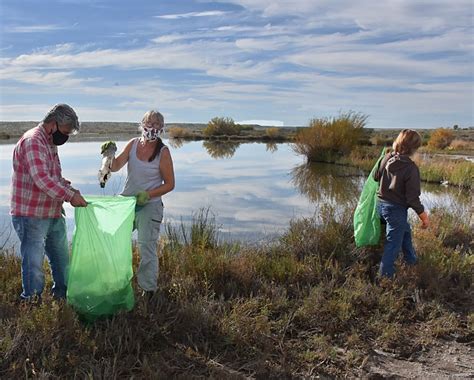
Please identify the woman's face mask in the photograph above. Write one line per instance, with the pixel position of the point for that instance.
(59, 138)
(150, 134)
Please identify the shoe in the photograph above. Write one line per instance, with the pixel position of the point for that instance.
(148, 294)
(34, 300)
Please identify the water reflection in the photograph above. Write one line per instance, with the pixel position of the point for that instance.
(176, 143)
(329, 183)
(451, 197)
(271, 147)
(220, 149)
(254, 192)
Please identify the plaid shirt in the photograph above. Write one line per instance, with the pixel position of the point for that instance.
(38, 188)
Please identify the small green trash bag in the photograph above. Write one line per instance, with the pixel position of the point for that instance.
(101, 262)
(366, 218)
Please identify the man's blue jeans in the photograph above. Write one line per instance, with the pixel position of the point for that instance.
(37, 238)
(398, 237)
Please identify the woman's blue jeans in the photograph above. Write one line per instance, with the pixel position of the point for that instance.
(398, 237)
(39, 237)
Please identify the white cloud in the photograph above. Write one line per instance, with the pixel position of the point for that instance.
(192, 14)
(400, 15)
(35, 28)
(289, 61)
(169, 38)
(253, 44)
(379, 62)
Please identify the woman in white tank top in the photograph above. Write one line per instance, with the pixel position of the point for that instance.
(150, 175)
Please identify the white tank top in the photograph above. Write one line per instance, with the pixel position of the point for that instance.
(142, 175)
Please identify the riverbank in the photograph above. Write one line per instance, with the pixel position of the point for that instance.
(11, 131)
(449, 166)
(306, 306)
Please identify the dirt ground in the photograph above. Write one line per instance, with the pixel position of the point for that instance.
(446, 360)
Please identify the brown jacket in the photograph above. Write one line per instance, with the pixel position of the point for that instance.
(399, 179)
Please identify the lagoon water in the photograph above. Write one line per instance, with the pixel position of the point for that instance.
(254, 189)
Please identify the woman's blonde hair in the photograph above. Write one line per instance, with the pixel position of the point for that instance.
(153, 117)
(407, 142)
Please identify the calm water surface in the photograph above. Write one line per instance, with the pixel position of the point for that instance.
(253, 189)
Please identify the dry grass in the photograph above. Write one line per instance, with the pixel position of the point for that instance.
(433, 168)
(222, 126)
(461, 145)
(273, 133)
(180, 133)
(458, 172)
(305, 305)
(441, 138)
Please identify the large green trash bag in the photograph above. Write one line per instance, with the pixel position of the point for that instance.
(366, 218)
(101, 262)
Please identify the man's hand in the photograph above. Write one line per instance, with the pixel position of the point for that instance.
(78, 201)
(108, 145)
(142, 198)
(425, 220)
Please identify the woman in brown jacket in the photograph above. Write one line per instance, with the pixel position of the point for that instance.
(399, 190)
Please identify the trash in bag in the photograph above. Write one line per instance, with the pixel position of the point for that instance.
(101, 262)
(105, 171)
(367, 226)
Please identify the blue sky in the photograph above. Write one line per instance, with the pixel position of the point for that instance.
(405, 63)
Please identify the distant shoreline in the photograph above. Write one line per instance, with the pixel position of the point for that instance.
(11, 131)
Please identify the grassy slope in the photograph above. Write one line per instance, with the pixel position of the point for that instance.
(306, 305)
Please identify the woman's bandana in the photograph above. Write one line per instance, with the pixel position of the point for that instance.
(150, 134)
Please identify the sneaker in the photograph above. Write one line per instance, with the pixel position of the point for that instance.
(148, 294)
(34, 300)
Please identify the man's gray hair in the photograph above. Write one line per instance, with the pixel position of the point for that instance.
(63, 115)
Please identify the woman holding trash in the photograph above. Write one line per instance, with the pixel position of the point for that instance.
(150, 175)
(399, 190)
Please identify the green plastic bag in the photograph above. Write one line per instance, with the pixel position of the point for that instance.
(367, 226)
(101, 262)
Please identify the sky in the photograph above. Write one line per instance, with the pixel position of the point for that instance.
(404, 63)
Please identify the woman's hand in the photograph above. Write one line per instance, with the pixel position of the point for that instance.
(425, 220)
(142, 198)
(108, 145)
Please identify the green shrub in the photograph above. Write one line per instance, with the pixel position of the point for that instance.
(219, 126)
(329, 138)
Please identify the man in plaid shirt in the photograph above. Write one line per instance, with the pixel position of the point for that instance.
(37, 195)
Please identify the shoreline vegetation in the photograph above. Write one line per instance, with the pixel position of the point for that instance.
(308, 305)
(342, 140)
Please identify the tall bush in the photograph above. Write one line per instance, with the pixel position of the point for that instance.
(441, 138)
(219, 126)
(273, 133)
(328, 138)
